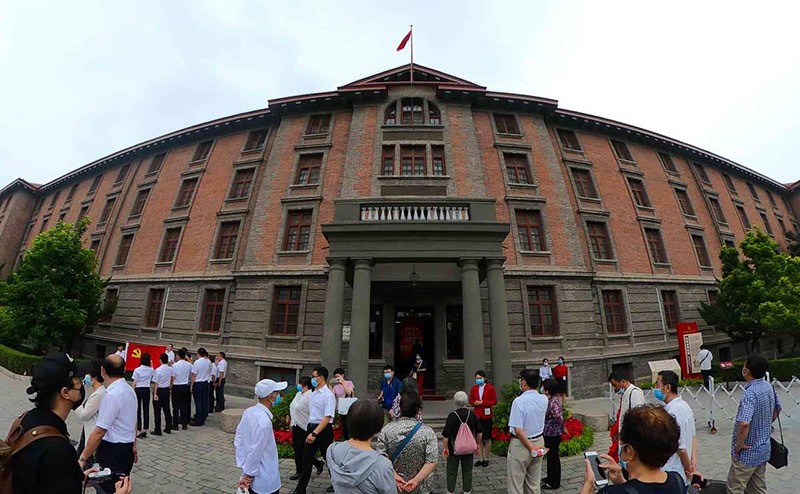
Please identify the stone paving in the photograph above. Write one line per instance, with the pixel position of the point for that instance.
(201, 460)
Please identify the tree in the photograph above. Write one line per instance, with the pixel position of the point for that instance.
(759, 294)
(55, 295)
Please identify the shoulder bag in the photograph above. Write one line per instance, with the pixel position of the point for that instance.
(405, 442)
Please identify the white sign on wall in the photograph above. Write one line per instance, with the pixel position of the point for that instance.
(346, 333)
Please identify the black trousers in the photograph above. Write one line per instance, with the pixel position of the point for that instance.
(143, 408)
(324, 439)
(706, 374)
(116, 456)
(553, 461)
(162, 403)
(299, 436)
(221, 395)
(200, 392)
(211, 391)
(181, 405)
(250, 489)
(345, 430)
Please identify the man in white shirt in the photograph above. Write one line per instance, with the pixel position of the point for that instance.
(321, 410)
(170, 354)
(181, 398)
(114, 436)
(298, 413)
(163, 377)
(212, 384)
(684, 462)
(632, 396)
(198, 385)
(526, 424)
(256, 451)
(121, 351)
(222, 369)
(705, 357)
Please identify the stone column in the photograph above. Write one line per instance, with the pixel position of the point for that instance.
(498, 321)
(331, 352)
(474, 352)
(358, 354)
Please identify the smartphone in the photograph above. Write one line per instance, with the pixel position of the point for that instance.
(696, 480)
(599, 474)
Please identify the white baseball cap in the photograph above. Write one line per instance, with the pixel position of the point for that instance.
(266, 387)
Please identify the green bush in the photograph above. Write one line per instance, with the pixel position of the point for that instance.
(16, 361)
(577, 445)
(500, 448)
(781, 369)
(285, 450)
(503, 409)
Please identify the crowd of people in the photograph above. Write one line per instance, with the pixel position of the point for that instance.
(385, 446)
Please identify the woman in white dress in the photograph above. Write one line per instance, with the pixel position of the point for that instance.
(87, 413)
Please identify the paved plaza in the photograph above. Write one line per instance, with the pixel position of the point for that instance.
(201, 460)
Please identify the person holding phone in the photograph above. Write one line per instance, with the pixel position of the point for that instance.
(342, 388)
(649, 437)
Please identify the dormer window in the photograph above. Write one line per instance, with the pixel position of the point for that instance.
(413, 111)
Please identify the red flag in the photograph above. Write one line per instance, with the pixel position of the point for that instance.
(135, 352)
(405, 40)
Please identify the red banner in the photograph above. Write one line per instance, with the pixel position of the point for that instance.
(136, 350)
(689, 341)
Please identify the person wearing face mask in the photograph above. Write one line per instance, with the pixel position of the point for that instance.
(420, 367)
(559, 373)
(43, 461)
(684, 462)
(321, 410)
(631, 397)
(298, 413)
(87, 413)
(649, 437)
(256, 451)
(114, 436)
(390, 389)
(526, 424)
(483, 397)
(545, 372)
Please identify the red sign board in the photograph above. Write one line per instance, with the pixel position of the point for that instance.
(136, 350)
(689, 341)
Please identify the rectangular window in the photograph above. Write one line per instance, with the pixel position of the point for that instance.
(83, 212)
(155, 302)
(285, 310)
(242, 180)
(685, 202)
(413, 160)
(211, 320)
(621, 150)
(669, 301)
(713, 296)
(318, 124)
(614, 311)
(743, 217)
(517, 168)
(169, 248)
(124, 249)
(729, 182)
(45, 220)
(106, 214)
(138, 204)
(753, 192)
(729, 243)
(255, 140)
(109, 305)
(279, 374)
(411, 111)
(186, 192)
(716, 209)
(95, 246)
(766, 223)
(308, 169)
(542, 304)
(156, 162)
(701, 172)
(531, 233)
(438, 160)
(202, 150)
(506, 124)
(28, 230)
(598, 239)
(61, 216)
(639, 194)
(771, 199)
(53, 199)
(95, 183)
(67, 200)
(226, 244)
(668, 163)
(298, 230)
(568, 140)
(123, 172)
(781, 224)
(656, 246)
(584, 183)
(701, 251)
(388, 160)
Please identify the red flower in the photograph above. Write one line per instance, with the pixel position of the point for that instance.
(500, 435)
(283, 437)
(572, 428)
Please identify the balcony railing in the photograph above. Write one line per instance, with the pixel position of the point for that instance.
(428, 213)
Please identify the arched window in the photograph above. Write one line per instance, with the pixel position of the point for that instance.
(434, 117)
(412, 113)
(391, 115)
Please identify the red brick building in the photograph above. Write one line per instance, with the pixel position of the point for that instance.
(362, 225)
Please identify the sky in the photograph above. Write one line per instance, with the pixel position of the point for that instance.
(80, 80)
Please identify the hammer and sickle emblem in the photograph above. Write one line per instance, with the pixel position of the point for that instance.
(137, 353)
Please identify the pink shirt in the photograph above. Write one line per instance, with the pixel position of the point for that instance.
(338, 389)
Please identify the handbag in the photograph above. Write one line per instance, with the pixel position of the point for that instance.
(779, 453)
(405, 442)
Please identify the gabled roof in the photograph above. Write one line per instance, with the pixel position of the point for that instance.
(20, 182)
(402, 75)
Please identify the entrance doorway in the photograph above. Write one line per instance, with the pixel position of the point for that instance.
(414, 330)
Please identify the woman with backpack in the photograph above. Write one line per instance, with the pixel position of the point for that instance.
(462, 433)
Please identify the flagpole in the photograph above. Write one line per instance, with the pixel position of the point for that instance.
(412, 53)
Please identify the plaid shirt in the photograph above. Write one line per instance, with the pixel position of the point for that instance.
(756, 407)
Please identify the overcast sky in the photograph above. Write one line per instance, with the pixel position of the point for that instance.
(80, 80)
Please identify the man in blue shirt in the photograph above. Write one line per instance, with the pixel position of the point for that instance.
(750, 448)
(390, 388)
